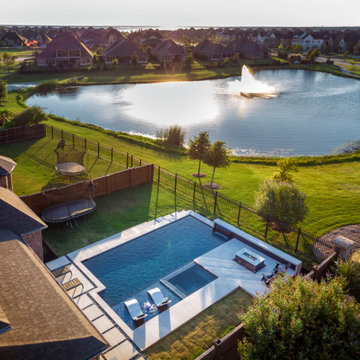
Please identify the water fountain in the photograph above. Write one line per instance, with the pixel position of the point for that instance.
(250, 87)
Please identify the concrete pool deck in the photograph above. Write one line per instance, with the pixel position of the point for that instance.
(127, 343)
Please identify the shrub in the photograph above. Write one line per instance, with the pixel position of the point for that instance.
(174, 136)
(302, 319)
(3, 90)
(285, 166)
(350, 271)
(46, 87)
(30, 116)
(5, 118)
(281, 204)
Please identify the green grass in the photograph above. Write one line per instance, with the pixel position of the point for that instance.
(353, 69)
(35, 170)
(16, 52)
(199, 333)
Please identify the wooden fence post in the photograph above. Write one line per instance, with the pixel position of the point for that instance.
(132, 160)
(98, 150)
(112, 151)
(239, 212)
(266, 229)
(127, 160)
(297, 240)
(140, 162)
(175, 183)
(194, 194)
(215, 201)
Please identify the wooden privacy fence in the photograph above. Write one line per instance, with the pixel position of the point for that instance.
(104, 185)
(21, 133)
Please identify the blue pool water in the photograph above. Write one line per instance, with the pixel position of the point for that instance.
(129, 270)
(191, 279)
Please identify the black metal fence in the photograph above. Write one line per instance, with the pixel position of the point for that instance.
(213, 204)
(209, 202)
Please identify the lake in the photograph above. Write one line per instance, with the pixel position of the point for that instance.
(314, 114)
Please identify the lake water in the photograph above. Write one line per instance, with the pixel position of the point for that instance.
(314, 114)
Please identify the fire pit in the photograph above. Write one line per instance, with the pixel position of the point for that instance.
(249, 259)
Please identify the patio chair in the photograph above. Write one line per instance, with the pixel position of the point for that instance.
(268, 278)
(63, 270)
(134, 310)
(72, 284)
(158, 297)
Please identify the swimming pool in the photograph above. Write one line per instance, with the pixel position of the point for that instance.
(129, 270)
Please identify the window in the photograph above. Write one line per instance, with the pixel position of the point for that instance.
(74, 53)
(61, 53)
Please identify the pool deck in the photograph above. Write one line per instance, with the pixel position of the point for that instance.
(126, 343)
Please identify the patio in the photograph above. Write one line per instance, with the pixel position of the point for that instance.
(220, 261)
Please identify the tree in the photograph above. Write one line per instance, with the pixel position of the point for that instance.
(31, 116)
(284, 167)
(198, 148)
(114, 64)
(8, 60)
(356, 49)
(3, 90)
(302, 319)
(5, 118)
(281, 204)
(217, 156)
(134, 60)
(188, 63)
(174, 136)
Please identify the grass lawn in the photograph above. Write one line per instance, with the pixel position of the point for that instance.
(333, 190)
(35, 170)
(199, 333)
(16, 52)
(354, 69)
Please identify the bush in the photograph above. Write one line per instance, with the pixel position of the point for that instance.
(281, 204)
(46, 87)
(174, 136)
(5, 118)
(3, 90)
(285, 166)
(302, 319)
(30, 116)
(350, 271)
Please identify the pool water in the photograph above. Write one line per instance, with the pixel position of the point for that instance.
(191, 279)
(129, 270)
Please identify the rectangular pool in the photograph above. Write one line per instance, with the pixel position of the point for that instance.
(128, 270)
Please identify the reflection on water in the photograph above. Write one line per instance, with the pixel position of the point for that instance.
(315, 113)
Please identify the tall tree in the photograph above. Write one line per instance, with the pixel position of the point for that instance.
(285, 166)
(3, 90)
(198, 148)
(218, 156)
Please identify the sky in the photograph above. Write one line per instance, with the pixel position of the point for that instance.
(171, 13)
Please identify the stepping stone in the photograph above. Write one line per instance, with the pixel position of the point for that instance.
(113, 336)
(124, 351)
(92, 312)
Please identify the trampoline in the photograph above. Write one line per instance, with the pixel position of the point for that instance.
(70, 160)
(70, 210)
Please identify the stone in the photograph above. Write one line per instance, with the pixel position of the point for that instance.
(344, 245)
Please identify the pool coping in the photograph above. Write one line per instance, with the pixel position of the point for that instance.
(169, 320)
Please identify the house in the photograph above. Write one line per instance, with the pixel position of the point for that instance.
(209, 51)
(169, 52)
(112, 36)
(151, 38)
(245, 48)
(308, 41)
(7, 165)
(123, 50)
(94, 38)
(38, 319)
(12, 38)
(17, 217)
(64, 51)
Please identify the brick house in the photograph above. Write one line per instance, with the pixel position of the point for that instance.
(65, 50)
(38, 319)
(123, 50)
(17, 217)
(7, 165)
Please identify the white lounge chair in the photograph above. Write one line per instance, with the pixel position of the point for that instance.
(158, 297)
(134, 309)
